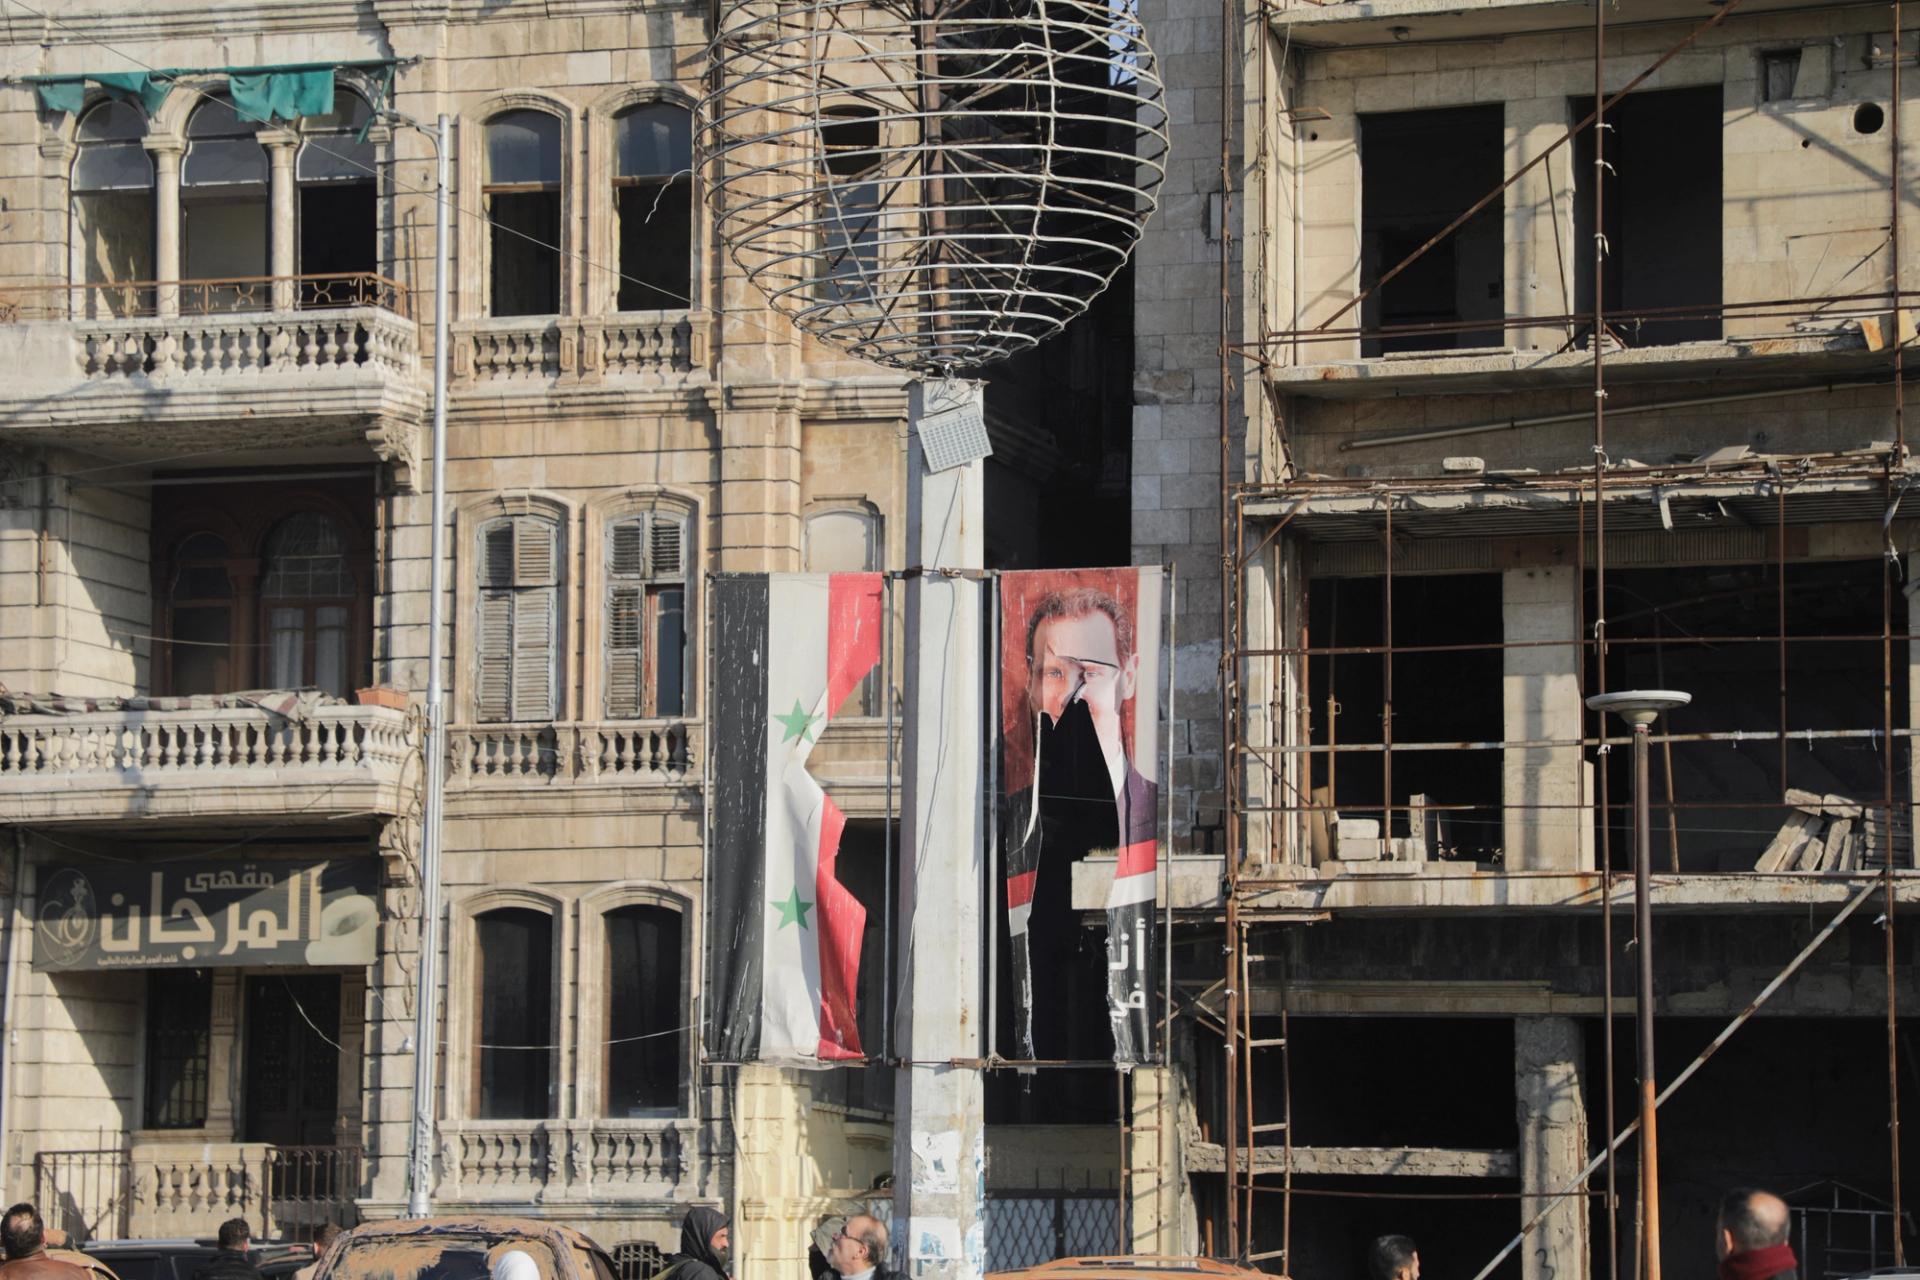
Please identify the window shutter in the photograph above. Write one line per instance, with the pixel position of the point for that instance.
(533, 553)
(627, 548)
(493, 684)
(496, 554)
(625, 669)
(665, 543)
(533, 653)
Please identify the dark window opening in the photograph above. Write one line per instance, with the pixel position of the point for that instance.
(1663, 216)
(522, 196)
(224, 218)
(179, 1017)
(1447, 696)
(292, 1089)
(1830, 684)
(653, 200)
(513, 1061)
(338, 210)
(1779, 69)
(1419, 170)
(862, 868)
(307, 597)
(645, 1039)
(198, 655)
(850, 147)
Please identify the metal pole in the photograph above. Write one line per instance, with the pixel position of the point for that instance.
(1643, 1005)
(425, 1021)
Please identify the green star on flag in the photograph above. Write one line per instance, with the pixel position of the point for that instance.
(793, 910)
(797, 723)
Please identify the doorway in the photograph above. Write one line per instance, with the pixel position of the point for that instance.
(293, 1062)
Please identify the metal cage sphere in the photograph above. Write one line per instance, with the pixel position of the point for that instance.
(932, 184)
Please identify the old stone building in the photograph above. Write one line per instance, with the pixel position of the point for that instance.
(1438, 549)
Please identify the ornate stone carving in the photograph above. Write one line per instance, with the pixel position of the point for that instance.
(397, 444)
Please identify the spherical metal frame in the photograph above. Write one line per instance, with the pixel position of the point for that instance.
(932, 184)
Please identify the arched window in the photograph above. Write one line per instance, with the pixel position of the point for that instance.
(513, 1060)
(645, 1049)
(516, 659)
(224, 217)
(307, 596)
(653, 201)
(521, 192)
(199, 653)
(850, 151)
(112, 206)
(646, 629)
(847, 540)
(338, 214)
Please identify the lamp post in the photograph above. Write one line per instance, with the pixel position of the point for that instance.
(1640, 708)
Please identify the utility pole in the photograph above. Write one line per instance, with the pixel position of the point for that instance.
(1640, 708)
(434, 748)
(939, 1144)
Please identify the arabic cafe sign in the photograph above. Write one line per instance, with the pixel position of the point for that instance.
(99, 915)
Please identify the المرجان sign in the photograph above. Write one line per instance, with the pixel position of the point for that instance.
(100, 915)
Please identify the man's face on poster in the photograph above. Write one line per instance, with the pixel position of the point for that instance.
(1078, 659)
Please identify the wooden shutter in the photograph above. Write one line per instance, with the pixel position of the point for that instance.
(517, 649)
(665, 542)
(626, 673)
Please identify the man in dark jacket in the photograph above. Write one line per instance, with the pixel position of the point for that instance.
(704, 1246)
(232, 1262)
(1750, 1237)
(24, 1237)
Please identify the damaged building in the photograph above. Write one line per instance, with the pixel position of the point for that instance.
(1507, 439)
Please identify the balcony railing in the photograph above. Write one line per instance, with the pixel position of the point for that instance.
(135, 763)
(237, 295)
(628, 344)
(539, 1160)
(662, 752)
(181, 1190)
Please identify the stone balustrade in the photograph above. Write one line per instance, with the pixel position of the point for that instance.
(656, 752)
(225, 344)
(546, 1160)
(643, 344)
(242, 761)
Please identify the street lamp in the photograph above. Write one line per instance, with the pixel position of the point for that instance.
(1640, 708)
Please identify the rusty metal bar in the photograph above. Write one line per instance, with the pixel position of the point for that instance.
(1386, 687)
(1900, 436)
(1367, 650)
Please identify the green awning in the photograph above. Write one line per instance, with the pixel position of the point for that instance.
(286, 91)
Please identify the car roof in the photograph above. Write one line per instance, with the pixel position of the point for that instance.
(478, 1224)
(1133, 1267)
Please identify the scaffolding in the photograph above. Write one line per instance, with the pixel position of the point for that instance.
(1607, 517)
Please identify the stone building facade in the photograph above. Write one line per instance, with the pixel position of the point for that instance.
(213, 438)
(1440, 556)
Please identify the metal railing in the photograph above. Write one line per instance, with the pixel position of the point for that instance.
(308, 1187)
(87, 1194)
(127, 299)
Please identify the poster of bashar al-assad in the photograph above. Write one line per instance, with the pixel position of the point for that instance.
(1081, 666)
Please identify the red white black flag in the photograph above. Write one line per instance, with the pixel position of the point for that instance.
(785, 957)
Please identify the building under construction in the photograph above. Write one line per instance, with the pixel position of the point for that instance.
(1571, 347)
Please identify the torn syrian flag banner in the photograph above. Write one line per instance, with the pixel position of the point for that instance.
(788, 652)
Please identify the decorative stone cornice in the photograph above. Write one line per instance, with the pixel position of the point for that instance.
(396, 442)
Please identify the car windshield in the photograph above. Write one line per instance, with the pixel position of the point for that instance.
(435, 1257)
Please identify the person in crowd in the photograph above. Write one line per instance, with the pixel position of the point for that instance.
(24, 1237)
(705, 1243)
(1394, 1258)
(1750, 1237)
(859, 1250)
(321, 1243)
(232, 1261)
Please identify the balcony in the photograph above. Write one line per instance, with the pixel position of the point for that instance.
(522, 1162)
(640, 348)
(146, 761)
(182, 366)
(1347, 23)
(650, 753)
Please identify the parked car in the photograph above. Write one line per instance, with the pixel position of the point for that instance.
(1143, 1267)
(179, 1259)
(60, 1249)
(461, 1248)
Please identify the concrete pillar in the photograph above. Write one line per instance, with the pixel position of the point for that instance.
(1156, 1175)
(280, 236)
(224, 1069)
(759, 526)
(939, 1151)
(1552, 1116)
(1540, 253)
(1913, 700)
(1540, 690)
(166, 226)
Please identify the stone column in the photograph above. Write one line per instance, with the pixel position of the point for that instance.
(1552, 1115)
(1540, 253)
(224, 1070)
(759, 525)
(280, 238)
(166, 224)
(1541, 697)
(1154, 1172)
